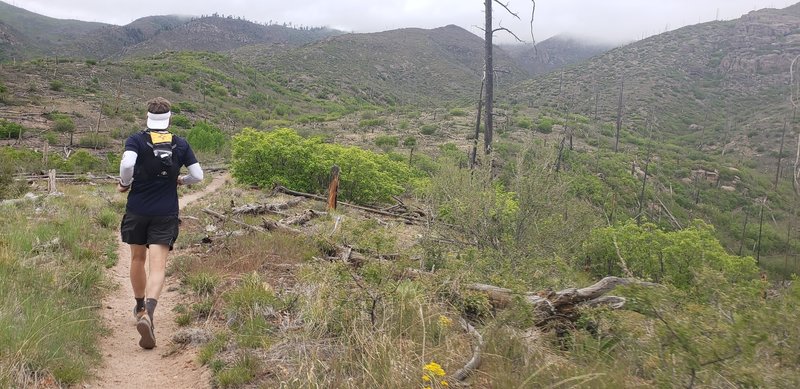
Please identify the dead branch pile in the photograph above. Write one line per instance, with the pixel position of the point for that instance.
(258, 209)
(564, 304)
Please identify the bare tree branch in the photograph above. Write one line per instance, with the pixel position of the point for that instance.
(507, 9)
(533, 40)
(508, 31)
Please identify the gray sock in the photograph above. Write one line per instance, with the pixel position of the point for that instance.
(150, 305)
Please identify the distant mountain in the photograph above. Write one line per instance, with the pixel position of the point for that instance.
(219, 34)
(395, 66)
(708, 85)
(113, 40)
(26, 34)
(554, 53)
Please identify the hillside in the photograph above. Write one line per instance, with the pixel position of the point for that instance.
(27, 35)
(554, 53)
(729, 77)
(219, 34)
(400, 66)
(24, 34)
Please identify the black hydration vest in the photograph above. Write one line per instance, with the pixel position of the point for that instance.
(162, 162)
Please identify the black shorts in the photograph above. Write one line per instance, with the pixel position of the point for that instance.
(147, 230)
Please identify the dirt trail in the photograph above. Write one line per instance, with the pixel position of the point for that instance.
(125, 364)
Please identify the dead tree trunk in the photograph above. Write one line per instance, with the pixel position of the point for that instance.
(641, 194)
(563, 303)
(780, 157)
(619, 114)
(474, 156)
(760, 229)
(489, 63)
(333, 188)
(744, 231)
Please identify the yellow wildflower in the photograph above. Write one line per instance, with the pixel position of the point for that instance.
(444, 321)
(426, 378)
(444, 383)
(435, 368)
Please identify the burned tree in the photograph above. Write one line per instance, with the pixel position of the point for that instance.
(489, 70)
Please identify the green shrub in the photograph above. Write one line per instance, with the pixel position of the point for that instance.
(283, 157)
(180, 121)
(458, 112)
(387, 142)
(56, 85)
(428, 129)
(545, 125)
(204, 137)
(98, 141)
(10, 130)
(671, 257)
(372, 122)
(524, 122)
(64, 124)
(187, 106)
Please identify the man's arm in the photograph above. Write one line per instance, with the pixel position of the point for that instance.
(195, 175)
(126, 170)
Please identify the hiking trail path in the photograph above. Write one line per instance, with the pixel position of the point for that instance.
(126, 365)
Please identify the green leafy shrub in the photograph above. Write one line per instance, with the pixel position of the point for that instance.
(428, 129)
(204, 137)
(458, 112)
(284, 157)
(95, 141)
(372, 122)
(82, 161)
(671, 257)
(56, 85)
(545, 125)
(387, 142)
(10, 130)
(180, 121)
(524, 122)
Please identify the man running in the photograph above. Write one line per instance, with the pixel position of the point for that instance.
(150, 169)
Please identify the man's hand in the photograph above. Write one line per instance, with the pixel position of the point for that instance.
(121, 188)
(180, 181)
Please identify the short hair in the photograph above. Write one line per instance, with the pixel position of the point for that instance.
(158, 105)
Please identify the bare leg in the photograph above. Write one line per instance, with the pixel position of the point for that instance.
(138, 275)
(158, 265)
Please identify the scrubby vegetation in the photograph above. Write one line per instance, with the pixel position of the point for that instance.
(52, 258)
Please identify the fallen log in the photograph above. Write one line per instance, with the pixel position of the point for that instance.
(257, 209)
(359, 207)
(228, 218)
(477, 349)
(302, 218)
(563, 303)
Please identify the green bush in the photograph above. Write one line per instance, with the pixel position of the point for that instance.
(180, 121)
(458, 112)
(524, 122)
(56, 85)
(204, 137)
(10, 130)
(372, 122)
(95, 140)
(545, 125)
(284, 157)
(64, 124)
(428, 129)
(670, 257)
(387, 142)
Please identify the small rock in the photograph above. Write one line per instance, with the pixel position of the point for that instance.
(193, 336)
(173, 289)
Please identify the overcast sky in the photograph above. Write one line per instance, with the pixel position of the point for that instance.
(604, 20)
